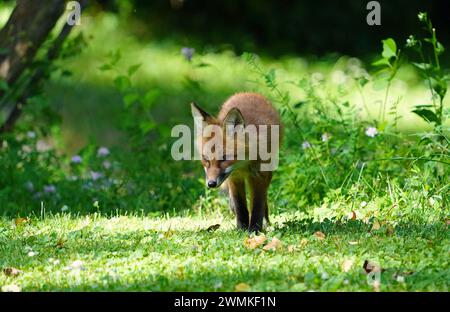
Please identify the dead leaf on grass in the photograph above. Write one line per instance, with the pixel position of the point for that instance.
(319, 235)
(21, 221)
(255, 241)
(213, 228)
(346, 265)
(242, 287)
(11, 272)
(273, 245)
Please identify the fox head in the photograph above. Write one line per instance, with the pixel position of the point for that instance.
(213, 144)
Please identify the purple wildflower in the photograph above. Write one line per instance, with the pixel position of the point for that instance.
(76, 159)
(96, 175)
(49, 189)
(103, 151)
(306, 145)
(188, 53)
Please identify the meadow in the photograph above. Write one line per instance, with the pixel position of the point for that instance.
(91, 199)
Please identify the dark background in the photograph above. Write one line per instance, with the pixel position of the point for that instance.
(281, 27)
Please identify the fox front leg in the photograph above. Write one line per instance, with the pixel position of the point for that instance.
(258, 200)
(238, 203)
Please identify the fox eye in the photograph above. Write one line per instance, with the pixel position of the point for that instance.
(206, 161)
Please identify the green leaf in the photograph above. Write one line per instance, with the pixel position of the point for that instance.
(422, 66)
(4, 51)
(115, 57)
(105, 67)
(133, 69)
(199, 65)
(439, 86)
(299, 104)
(381, 62)
(122, 83)
(150, 97)
(3, 85)
(389, 48)
(146, 126)
(426, 114)
(130, 99)
(440, 48)
(362, 81)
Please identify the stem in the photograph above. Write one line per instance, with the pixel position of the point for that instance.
(363, 99)
(383, 108)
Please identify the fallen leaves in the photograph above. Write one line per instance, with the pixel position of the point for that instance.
(320, 235)
(213, 228)
(242, 287)
(273, 245)
(376, 225)
(11, 272)
(21, 221)
(255, 241)
(346, 265)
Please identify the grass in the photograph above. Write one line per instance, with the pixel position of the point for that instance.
(142, 226)
(129, 253)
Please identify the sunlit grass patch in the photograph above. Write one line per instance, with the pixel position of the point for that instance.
(141, 253)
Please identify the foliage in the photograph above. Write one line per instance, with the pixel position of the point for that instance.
(374, 190)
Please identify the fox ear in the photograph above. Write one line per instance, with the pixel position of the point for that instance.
(234, 118)
(199, 113)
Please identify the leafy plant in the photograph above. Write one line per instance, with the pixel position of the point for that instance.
(430, 68)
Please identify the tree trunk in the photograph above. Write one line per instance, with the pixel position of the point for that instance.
(27, 28)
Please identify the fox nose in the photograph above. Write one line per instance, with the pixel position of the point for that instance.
(212, 183)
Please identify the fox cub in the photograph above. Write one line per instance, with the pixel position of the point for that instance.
(234, 150)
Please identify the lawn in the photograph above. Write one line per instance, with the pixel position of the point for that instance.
(91, 199)
(128, 253)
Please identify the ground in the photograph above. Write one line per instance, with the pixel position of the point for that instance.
(126, 253)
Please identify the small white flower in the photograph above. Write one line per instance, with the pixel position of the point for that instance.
(31, 134)
(103, 151)
(76, 265)
(324, 275)
(306, 145)
(400, 279)
(363, 204)
(32, 254)
(64, 208)
(325, 137)
(106, 164)
(317, 78)
(338, 77)
(371, 132)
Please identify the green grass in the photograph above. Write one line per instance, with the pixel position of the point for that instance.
(147, 228)
(128, 253)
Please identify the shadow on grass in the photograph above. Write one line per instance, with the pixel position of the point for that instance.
(352, 227)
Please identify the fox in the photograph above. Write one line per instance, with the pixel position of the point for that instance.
(233, 169)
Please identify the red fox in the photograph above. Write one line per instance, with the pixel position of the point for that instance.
(254, 123)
